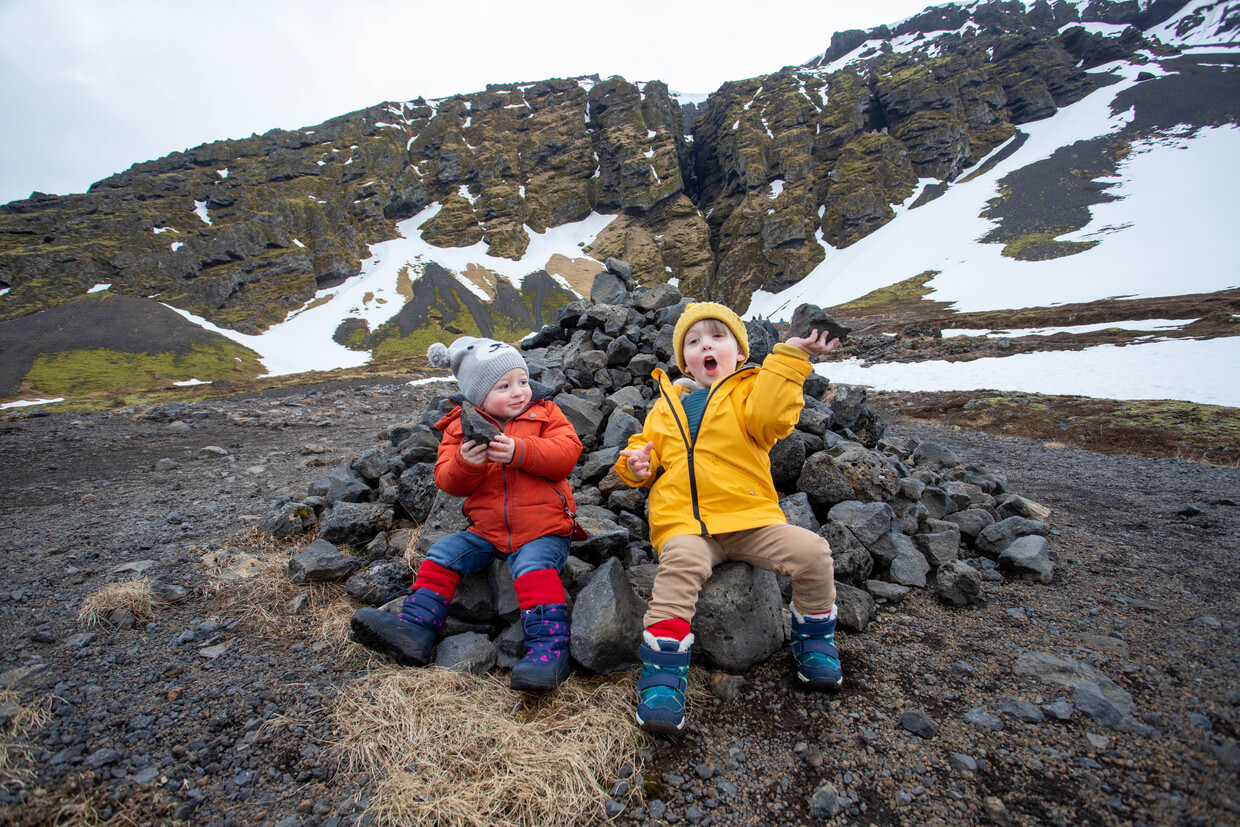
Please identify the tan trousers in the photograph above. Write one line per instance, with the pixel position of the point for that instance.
(686, 561)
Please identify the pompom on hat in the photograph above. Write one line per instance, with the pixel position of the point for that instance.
(476, 363)
(698, 311)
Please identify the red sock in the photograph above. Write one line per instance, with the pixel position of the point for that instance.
(673, 628)
(539, 588)
(442, 581)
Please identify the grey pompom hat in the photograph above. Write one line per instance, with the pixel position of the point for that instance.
(476, 363)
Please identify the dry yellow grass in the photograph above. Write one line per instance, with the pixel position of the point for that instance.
(264, 602)
(454, 749)
(134, 596)
(257, 590)
(15, 768)
(444, 748)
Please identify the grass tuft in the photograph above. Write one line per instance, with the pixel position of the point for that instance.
(134, 596)
(19, 721)
(249, 579)
(455, 749)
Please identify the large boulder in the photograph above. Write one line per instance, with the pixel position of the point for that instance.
(739, 617)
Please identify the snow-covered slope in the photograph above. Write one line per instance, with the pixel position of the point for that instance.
(1169, 231)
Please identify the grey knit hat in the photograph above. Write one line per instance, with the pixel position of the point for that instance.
(476, 363)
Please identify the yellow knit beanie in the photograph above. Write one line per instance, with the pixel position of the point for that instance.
(698, 311)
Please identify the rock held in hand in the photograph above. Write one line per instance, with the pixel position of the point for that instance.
(475, 426)
(810, 317)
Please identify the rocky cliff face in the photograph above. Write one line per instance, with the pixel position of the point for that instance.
(737, 195)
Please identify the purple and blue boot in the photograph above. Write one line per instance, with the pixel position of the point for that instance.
(407, 638)
(546, 662)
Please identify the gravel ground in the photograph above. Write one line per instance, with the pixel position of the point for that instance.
(194, 717)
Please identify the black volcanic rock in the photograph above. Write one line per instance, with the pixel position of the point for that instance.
(475, 426)
(810, 317)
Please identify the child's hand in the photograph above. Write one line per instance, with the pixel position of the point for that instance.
(639, 459)
(814, 343)
(501, 449)
(473, 453)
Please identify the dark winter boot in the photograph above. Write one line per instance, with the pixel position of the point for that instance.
(546, 661)
(813, 645)
(661, 687)
(408, 637)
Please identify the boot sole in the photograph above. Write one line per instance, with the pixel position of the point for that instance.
(526, 683)
(533, 686)
(375, 641)
(657, 727)
(819, 683)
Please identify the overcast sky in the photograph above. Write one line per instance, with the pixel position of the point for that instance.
(92, 86)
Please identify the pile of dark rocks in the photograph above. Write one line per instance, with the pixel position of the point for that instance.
(899, 514)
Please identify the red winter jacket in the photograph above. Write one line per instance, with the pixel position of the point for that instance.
(510, 505)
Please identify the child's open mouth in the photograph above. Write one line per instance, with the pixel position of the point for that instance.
(709, 363)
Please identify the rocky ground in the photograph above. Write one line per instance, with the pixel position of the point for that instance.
(197, 716)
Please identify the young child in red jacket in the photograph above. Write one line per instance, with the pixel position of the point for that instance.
(703, 453)
(520, 508)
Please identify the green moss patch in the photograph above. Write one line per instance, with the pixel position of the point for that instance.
(893, 299)
(105, 340)
(1042, 246)
(78, 372)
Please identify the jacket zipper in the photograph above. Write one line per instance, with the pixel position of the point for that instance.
(691, 442)
(503, 475)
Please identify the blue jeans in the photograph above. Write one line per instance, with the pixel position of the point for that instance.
(465, 553)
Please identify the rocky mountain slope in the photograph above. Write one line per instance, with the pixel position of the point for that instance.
(738, 193)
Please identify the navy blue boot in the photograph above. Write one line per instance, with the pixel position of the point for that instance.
(546, 662)
(813, 645)
(661, 687)
(407, 638)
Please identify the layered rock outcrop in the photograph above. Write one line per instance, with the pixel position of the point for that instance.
(736, 194)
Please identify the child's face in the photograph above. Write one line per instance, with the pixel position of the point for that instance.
(710, 351)
(509, 396)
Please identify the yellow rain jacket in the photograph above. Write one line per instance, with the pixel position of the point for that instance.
(720, 481)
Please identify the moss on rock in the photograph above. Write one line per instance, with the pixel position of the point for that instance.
(79, 372)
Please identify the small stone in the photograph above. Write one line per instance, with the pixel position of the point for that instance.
(213, 652)
(726, 687)
(919, 723)
(962, 762)
(1060, 710)
(476, 427)
(1022, 710)
(982, 719)
(825, 802)
(995, 811)
(810, 317)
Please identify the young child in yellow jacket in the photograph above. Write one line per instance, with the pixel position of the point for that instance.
(703, 455)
